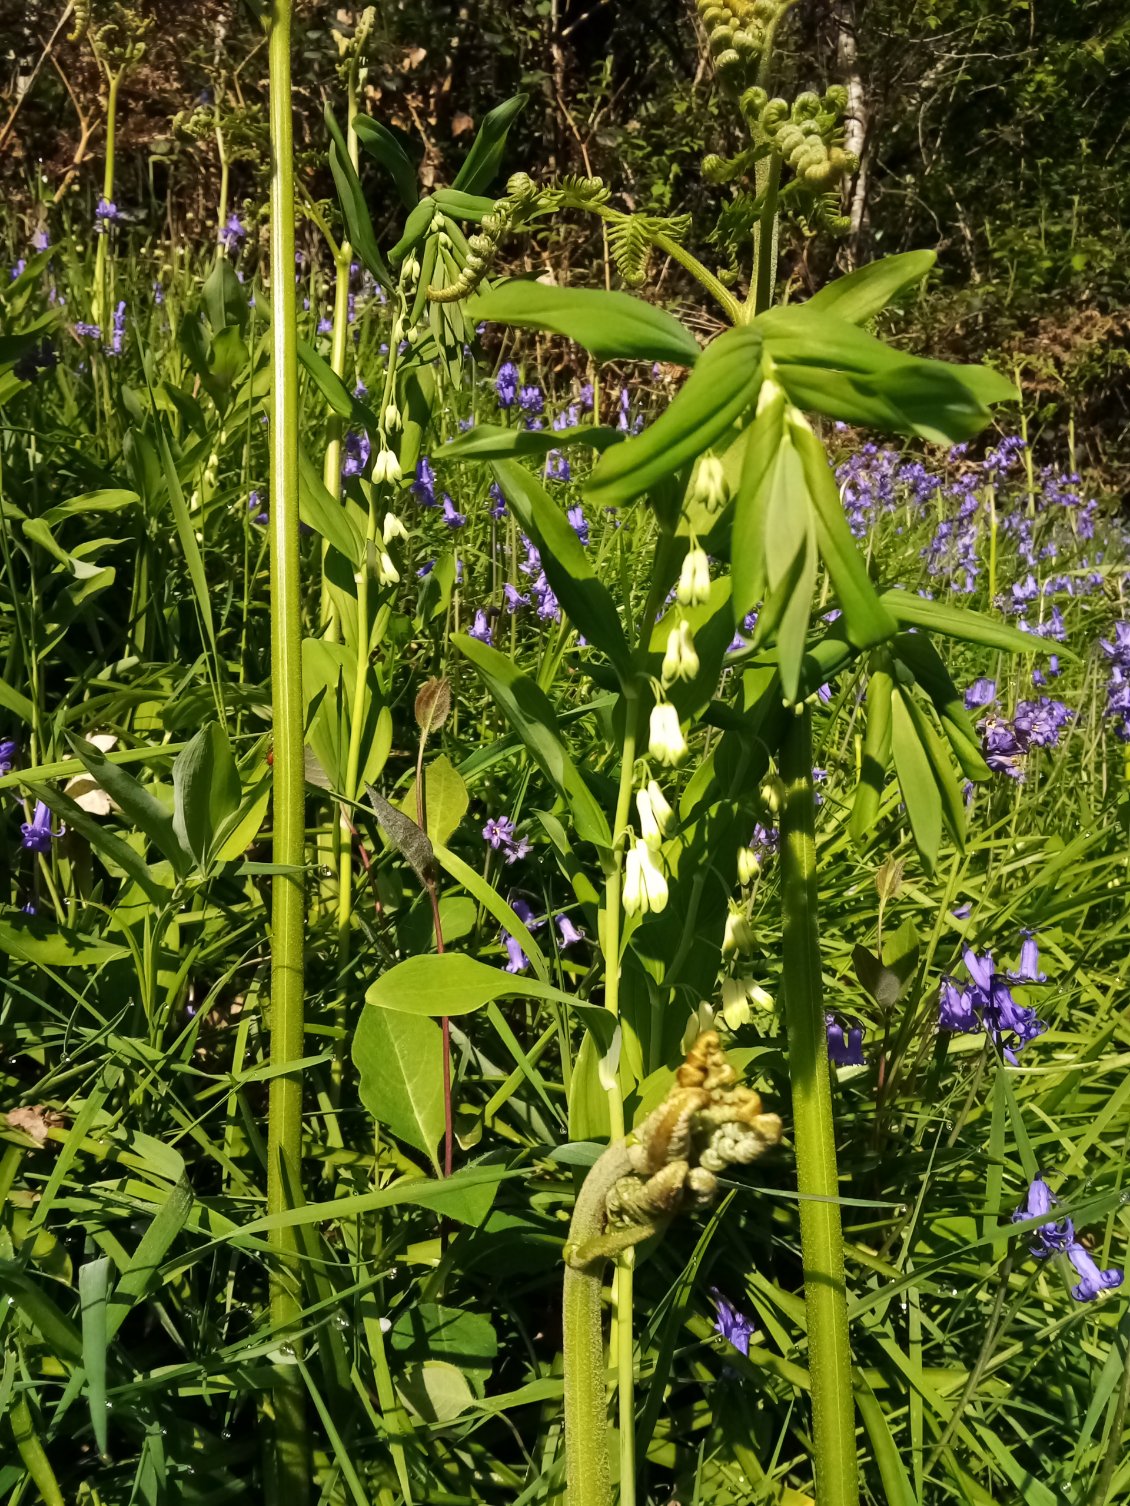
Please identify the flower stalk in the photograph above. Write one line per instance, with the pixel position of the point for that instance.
(821, 1235)
(288, 1468)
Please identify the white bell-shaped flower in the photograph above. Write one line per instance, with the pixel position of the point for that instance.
(392, 418)
(393, 528)
(694, 578)
(680, 662)
(387, 573)
(645, 888)
(386, 467)
(666, 742)
(739, 933)
(709, 483)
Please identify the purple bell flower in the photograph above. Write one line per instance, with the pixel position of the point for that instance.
(570, 935)
(1092, 1281)
(843, 1053)
(37, 834)
(1053, 1236)
(481, 629)
(731, 1324)
(9, 752)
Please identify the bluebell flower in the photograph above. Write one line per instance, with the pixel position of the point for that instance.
(578, 522)
(1000, 1014)
(1092, 1281)
(955, 1007)
(37, 834)
(257, 509)
(451, 515)
(424, 486)
(512, 598)
(325, 326)
(360, 391)
(506, 385)
(531, 400)
(19, 269)
(525, 913)
(355, 453)
(1051, 1237)
(568, 418)
(981, 693)
(481, 629)
(499, 834)
(570, 935)
(623, 418)
(233, 234)
(586, 396)
(844, 1053)
(557, 466)
(40, 240)
(9, 752)
(117, 339)
(87, 331)
(106, 213)
(732, 1324)
(498, 501)
(158, 293)
(1028, 970)
(518, 961)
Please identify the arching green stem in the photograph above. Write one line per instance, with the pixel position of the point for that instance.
(288, 1464)
(821, 1235)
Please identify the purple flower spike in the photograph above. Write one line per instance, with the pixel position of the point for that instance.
(569, 932)
(233, 234)
(424, 486)
(955, 1008)
(107, 213)
(1092, 1280)
(579, 523)
(732, 1324)
(37, 835)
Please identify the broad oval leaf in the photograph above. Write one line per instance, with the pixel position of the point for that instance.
(400, 1059)
(611, 326)
(722, 386)
(450, 983)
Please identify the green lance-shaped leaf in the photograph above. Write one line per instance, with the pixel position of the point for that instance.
(103, 841)
(463, 206)
(949, 791)
(384, 147)
(876, 750)
(453, 984)
(761, 475)
(722, 386)
(481, 165)
(354, 210)
(584, 596)
(529, 713)
(206, 791)
(493, 442)
(400, 1060)
(916, 780)
(320, 511)
(828, 366)
(94, 1289)
(866, 619)
(416, 226)
(918, 654)
(866, 292)
(417, 399)
(611, 326)
(334, 390)
(911, 610)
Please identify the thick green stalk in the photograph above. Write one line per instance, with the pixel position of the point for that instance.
(765, 251)
(821, 1236)
(289, 1470)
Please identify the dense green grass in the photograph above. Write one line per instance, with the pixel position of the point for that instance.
(134, 998)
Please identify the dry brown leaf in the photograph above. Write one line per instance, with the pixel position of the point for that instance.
(34, 1121)
(461, 123)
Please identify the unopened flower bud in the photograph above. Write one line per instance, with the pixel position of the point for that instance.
(749, 865)
(708, 485)
(739, 934)
(654, 813)
(392, 418)
(772, 793)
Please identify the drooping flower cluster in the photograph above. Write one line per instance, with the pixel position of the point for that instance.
(986, 1003)
(541, 591)
(1036, 723)
(1117, 650)
(844, 1052)
(1057, 1237)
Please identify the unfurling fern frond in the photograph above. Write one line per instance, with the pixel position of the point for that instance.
(631, 238)
(82, 19)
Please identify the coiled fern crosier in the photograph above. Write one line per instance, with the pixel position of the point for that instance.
(708, 1122)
